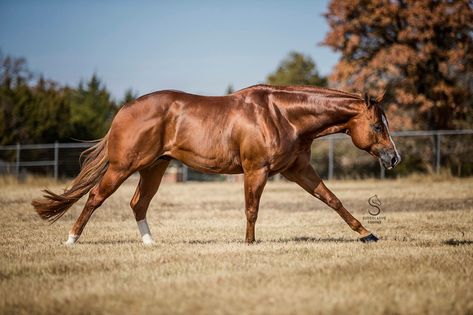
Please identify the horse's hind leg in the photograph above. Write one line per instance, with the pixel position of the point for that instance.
(111, 180)
(150, 179)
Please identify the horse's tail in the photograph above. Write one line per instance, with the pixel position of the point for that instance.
(93, 167)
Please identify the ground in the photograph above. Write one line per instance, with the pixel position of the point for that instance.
(306, 261)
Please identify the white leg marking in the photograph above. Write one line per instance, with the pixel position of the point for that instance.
(145, 232)
(71, 239)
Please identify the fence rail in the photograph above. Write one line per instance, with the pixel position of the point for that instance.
(18, 162)
(413, 133)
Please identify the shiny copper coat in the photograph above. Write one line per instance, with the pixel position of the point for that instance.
(259, 131)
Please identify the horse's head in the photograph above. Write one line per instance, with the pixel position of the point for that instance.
(369, 131)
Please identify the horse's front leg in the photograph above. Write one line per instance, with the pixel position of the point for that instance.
(255, 180)
(308, 179)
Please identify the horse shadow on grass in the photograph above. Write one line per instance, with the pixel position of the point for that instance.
(111, 242)
(309, 239)
(321, 240)
(454, 242)
(297, 239)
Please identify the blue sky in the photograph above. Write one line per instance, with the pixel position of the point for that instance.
(195, 46)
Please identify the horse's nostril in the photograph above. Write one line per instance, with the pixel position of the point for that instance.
(394, 160)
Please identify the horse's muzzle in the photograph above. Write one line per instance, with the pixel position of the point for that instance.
(389, 158)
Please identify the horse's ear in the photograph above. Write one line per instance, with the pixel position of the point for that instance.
(368, 99)
(380, 97)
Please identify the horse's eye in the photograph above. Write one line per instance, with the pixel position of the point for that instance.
(378, 128)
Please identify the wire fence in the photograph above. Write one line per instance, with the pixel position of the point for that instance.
(333, 156)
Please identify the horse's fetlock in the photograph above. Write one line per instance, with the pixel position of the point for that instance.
(356, 225)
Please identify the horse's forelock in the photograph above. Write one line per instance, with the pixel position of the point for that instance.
(378, 100)
(380, 112)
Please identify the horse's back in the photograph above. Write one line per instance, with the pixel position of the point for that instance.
(198, 130)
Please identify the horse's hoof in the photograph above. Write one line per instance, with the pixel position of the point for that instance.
(148, 240)
(369, 239)
(71, 240)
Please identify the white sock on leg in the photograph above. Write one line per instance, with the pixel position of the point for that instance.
(71, 239)
(145, 232)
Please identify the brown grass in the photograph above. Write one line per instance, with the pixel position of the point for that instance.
(307, 261)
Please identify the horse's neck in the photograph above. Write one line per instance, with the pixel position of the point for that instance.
(320, 117)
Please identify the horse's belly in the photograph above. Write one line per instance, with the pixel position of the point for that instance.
(225, 164)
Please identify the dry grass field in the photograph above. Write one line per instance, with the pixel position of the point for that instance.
(307, 260)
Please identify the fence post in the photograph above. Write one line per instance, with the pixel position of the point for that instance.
(330, 158)
(17, 165)
(56, 159)
(437, 152)
(185, 172)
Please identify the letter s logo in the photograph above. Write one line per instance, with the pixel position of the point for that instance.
(374, 202)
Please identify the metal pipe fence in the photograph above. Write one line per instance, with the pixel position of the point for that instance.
(436, 135)
(39, 158)
(432, 149)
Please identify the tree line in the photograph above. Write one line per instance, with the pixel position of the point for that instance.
(37, 110)
(419, 52)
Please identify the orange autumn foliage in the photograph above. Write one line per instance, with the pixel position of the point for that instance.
(421, 52)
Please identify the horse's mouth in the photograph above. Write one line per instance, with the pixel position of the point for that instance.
(389, 161)
(386, 165)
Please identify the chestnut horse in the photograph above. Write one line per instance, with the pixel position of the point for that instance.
(258, 131)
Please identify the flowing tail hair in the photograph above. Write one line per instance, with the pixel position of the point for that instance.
(94, 164)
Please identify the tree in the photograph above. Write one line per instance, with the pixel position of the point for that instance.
(420, 51)
(44, 116)
(229, 90)
(129, 96)
(13, 71)
(297, 69)
(15, 95)
(91, 109)
(36, 110)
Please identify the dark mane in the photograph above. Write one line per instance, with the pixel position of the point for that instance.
(326, 92)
